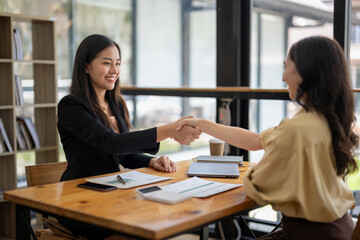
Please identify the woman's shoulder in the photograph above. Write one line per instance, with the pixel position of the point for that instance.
(69, 100)
(305, 126)
(305, 120)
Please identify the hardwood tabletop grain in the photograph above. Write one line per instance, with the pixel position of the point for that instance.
(125, 211)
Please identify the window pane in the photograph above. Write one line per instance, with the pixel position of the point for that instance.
(274, 29)
(176, 43)
(353, 180)
(175, 47)
(203, 48)
(158, 43)
(111, 18)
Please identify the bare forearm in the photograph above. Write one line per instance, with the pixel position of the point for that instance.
(164, 132)
(238, 137)
(185, 136)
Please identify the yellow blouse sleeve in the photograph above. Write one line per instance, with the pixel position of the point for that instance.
(272, 179)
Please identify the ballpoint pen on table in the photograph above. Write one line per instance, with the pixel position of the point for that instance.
(118, 177)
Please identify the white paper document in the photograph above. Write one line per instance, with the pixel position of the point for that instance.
(198, 187)
(131, 178)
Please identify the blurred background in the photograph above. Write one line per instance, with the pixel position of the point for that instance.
(173, 44)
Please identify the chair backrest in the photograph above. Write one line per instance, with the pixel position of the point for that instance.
(44, 173)
(356, 234)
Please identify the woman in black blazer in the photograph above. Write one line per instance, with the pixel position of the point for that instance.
(93, 122)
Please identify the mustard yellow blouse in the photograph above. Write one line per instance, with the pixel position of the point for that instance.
(297, 174)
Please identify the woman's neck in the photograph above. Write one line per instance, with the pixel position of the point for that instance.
(103, 103)
(101, 98)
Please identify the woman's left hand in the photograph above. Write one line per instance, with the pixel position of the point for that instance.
(163, 163)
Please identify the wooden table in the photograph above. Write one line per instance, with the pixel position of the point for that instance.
(124, 211)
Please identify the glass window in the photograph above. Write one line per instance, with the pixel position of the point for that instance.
(203, 47)
(274, 29)
(175, 47)
(353, 180)
(111, 18)
(176, 43)
(158, 43)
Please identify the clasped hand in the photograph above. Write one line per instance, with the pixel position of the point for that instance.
(185, 134)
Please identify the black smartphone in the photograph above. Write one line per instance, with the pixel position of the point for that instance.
(148, 189)
(97, 186)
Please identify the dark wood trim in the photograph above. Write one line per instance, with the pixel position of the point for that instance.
(220, 92)
(341, 28)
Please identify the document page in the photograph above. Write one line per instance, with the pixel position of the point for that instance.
(198, 187)
(131, 178)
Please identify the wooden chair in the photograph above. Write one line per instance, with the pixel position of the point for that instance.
(42, 174)
(45, 173)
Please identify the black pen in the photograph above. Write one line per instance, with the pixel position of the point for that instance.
(118, 177)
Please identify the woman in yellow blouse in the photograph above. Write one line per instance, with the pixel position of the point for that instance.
(306, 157)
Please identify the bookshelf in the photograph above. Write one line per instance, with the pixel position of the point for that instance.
(40, 58)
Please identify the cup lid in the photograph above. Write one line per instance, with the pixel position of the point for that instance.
(215, 140)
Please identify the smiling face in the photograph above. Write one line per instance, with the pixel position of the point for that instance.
(104, 70)
(291, 77)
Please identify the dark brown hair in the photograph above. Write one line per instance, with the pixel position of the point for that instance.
(326, 88)
(81, 84)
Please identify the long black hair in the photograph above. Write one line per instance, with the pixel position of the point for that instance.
(81, 84)
(326, 88)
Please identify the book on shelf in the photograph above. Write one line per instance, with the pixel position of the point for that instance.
(18, 51)
(26, 134)
(16, 96)
(19, 96)
(21, 143)
(28, 129)
(2, 146)
(4, 137)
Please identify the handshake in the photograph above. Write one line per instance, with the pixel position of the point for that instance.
(185, 130)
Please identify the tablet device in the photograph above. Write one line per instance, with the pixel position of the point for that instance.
(209, 169)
